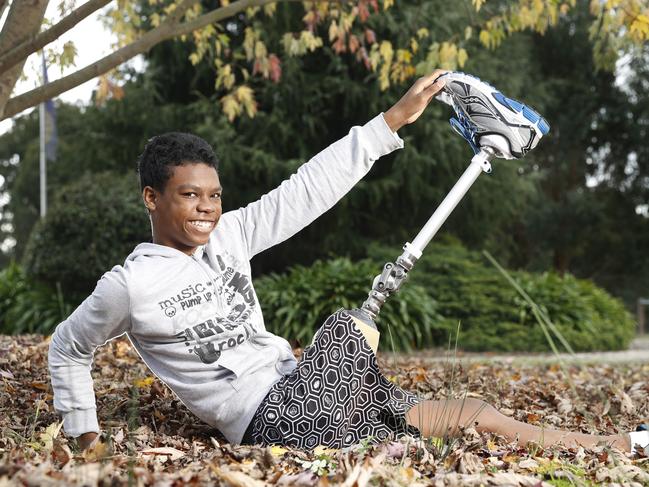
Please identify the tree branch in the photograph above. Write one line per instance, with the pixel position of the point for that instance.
(23, 20)
(177, 14)
(3, 5)
(168, 29)
(35, 42)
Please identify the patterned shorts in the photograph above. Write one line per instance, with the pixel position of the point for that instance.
(335, 397)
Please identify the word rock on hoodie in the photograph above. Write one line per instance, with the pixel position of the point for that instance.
(195, 320)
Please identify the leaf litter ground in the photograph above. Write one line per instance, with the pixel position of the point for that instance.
(150, 438)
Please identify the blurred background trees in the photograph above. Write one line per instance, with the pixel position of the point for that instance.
(576, 206)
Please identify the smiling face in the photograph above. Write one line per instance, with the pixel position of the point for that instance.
(184, 214)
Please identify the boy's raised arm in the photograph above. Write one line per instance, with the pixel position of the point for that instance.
(102, 316)
(327, 177)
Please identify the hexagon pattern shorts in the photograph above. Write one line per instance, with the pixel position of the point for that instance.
(335, 397)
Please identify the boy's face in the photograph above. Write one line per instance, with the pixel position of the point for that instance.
(186, 212)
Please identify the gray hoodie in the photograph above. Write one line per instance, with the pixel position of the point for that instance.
(195, 320)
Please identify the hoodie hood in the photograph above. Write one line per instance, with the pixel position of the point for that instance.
(148, 249)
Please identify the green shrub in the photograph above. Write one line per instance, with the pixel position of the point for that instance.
(92, 225)
(587, 316)
(12, 284)
(28, 307)
(494, 317)
(296, 303)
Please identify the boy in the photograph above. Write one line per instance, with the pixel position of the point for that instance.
(187, 304)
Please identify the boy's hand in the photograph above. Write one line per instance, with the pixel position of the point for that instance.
(86, 440)
(415, 101)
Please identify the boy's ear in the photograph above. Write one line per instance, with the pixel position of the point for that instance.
(149, 197)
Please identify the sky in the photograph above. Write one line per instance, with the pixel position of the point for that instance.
(92, 41)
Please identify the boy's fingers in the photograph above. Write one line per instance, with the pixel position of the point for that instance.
(435, 87)
(432, 77)
(439, 82)
(430, 84)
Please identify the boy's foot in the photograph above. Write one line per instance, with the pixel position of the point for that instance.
(486, 118)
(640, 438)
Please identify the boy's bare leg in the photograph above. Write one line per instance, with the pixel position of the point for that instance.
(439, 418)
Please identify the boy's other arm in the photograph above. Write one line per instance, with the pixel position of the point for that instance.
(327, 177)
(104, 315)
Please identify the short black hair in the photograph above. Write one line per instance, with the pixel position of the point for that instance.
(171, 149)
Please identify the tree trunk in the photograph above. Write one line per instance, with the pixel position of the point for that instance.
(561, 261)
(24, 20)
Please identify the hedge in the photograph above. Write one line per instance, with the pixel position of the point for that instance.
(91, 226)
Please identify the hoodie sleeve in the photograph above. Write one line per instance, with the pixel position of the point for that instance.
(315, 187)
(103, 316)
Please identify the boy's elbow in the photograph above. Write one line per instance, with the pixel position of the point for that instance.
(52, 352)
(66, 351)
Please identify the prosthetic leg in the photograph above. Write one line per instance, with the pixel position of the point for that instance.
(495, 127)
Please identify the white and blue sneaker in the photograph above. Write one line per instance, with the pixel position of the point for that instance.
(486, 118)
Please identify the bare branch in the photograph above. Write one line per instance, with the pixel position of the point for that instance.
(38, 41)
(167, 30)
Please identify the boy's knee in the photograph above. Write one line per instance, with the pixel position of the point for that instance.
(341, 327)
(371, 335)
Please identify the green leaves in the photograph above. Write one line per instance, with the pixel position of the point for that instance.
(27, 306)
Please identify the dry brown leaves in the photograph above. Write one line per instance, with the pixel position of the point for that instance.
(150, 438)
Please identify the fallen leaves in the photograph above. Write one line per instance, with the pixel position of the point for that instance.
(45, 441)
(564, 405)
(623, 474)
(98, 450)
(150, 438)
(144, 383)
(39, 385)
(170, 453)
(6, 374)
(626, 404)
(61, 453)
(236, 478)
(528, 464)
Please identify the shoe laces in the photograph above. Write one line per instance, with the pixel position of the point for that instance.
(467, 129)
